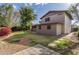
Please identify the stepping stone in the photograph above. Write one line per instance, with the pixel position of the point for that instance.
(37, 50)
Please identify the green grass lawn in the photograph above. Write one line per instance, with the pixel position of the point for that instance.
(33, 38)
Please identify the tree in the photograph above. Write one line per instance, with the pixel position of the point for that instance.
(1, 17)
(74, 10)
(27, 16)
(6, 13)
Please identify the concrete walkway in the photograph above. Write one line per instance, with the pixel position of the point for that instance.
(37, 50)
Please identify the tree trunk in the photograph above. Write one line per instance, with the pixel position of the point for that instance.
(78, 32)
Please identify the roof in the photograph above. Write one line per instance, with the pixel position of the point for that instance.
(66, 11)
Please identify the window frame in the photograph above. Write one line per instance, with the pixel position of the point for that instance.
(39, 26)
(48, 27)
(47, 19)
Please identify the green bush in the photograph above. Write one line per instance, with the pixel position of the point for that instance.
(77, 33)
(75, 29)
(63, 44)
(60, 44)
(18, 28)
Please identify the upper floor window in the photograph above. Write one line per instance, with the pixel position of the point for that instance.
(47, 19)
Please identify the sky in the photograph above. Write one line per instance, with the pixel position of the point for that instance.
(41, 8)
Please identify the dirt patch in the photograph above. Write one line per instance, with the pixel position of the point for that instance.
(24, 41)
(7, 48)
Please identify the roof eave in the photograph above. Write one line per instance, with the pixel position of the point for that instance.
(52, 11)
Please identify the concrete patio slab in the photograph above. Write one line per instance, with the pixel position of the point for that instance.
(37, 50)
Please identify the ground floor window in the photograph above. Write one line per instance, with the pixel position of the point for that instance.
(39, 26)
(34, 26)
(48, 26)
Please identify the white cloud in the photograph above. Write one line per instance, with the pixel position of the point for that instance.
(28, 4)
(14, 6)
(41, 4)
(44, 4)
(35, 11)
(37, 3)
(78, 7)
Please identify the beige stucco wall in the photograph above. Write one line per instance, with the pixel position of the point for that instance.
(44, 30)
(62, 28)
(54, 17)
(67, 24)
(59, 29)
(56, 29)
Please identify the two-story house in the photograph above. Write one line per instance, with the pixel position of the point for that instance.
(54, 23)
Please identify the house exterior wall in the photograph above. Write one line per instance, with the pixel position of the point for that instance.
(59, 29)
(62, 29)
(59, 22)
(56, 29)
(67, 25)
(44, 30)
(54, 17)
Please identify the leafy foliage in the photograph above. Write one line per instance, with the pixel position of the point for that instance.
(61, 44)
(16, 28)
(27, 15)
(6, 13)
(74, 10)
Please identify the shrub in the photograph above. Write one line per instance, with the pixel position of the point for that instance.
(77, 33)
(18, 28)
(75, 29)
(5, 31)
(61, 44)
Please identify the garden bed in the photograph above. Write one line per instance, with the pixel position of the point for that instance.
(66, 44)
